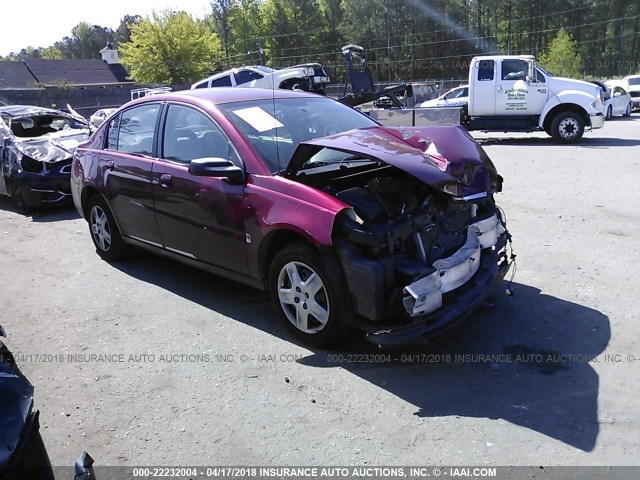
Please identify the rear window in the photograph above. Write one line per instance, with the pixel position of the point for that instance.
(485, 70)
(222, 81)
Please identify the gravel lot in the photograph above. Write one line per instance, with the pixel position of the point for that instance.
(249, 395)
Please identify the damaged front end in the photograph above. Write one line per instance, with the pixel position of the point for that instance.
(423, 242)
(36, 151)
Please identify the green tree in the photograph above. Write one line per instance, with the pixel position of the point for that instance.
(562, 57)
(85, 41)
(169, 48)
(123, 32)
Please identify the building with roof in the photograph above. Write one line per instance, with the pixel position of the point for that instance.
(38, 72)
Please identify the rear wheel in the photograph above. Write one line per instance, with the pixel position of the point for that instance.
(609, 113)
(310, 295)
(567, 127)
(627, 113)
(104, 231)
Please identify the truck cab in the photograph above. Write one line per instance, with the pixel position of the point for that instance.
(513, 93)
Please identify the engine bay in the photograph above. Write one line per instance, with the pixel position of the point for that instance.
(402, 230)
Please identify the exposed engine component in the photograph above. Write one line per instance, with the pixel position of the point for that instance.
(419, 237)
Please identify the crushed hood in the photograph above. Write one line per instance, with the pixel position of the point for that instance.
(447, 158)
(53, 147)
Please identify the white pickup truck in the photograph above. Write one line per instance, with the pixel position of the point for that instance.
(509, 93)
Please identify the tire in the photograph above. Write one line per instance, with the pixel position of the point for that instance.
(292, 289)
(609, 113)
(18, 200)
(104, 231)
(627, 113)
(567, 127)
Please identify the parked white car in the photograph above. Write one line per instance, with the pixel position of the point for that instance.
(632, 85)
(309, 77)
(618, 103)
(100, 116)
(456, 97)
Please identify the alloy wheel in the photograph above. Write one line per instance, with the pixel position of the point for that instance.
(100, 228)
(303, 297)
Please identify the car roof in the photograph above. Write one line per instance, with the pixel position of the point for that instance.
(220, 95)
(21, 110)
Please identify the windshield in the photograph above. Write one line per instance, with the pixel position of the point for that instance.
(276, 127)
(39, 125)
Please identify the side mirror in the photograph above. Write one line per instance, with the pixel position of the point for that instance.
(528, 78)
(216, 167)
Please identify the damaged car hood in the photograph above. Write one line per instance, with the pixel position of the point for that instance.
(53, 147)
(447, 158)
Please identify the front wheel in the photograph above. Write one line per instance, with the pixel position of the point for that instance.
(567, 127)
(18, 200)
(104, 231)
(609, 113)
(310, 295)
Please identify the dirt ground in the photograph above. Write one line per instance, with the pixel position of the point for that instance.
(152, 363)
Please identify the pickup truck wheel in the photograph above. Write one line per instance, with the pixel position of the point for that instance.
(609, 113)
(309, 294)
(104, 231)
(567, 127)
(627, 113)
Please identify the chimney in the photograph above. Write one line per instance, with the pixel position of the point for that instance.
(109, 54)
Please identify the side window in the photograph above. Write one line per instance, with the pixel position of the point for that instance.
(540, 78)
(112, 133)
(190, 134)
(246, 76)
(202, 84)
(485, 70)
(514, 69)
(132, 131)
(619, 91)
(222, 81)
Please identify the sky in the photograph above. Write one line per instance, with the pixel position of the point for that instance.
(40, 23)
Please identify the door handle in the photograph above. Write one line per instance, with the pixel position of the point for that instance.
(165, 180)
(499, 89)
(110, 164)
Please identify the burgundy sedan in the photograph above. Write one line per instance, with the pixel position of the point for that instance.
(347, 224)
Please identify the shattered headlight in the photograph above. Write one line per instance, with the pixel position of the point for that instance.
(30, 165)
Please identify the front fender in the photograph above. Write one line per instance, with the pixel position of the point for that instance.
(277, 202)
(573, 98)
(278, 205)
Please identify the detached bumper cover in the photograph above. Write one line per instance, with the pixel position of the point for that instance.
(490, 273)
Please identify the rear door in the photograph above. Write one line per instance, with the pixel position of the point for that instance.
(482, 101)
(198, 217)
(126, 164)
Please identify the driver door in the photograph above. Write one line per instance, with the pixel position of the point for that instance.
(514, 94)
(198, 217)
